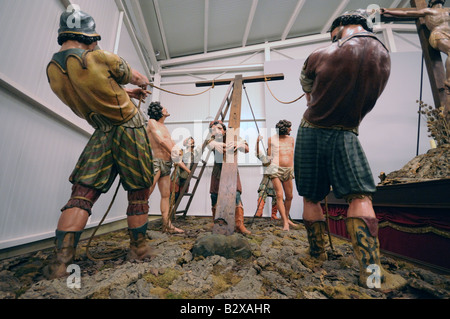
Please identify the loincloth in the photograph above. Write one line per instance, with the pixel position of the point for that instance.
(437, 35)
(282, 173)
(163, 166)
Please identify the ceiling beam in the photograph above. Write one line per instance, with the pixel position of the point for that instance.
(336, 13)
(214, 69)
(249, 22)
(142, 27)
(132, 33)
(161, 28)
(291, 21)
(205, 32)
(271, 45)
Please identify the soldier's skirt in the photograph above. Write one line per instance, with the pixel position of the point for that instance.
(122, 151)
(329, 157)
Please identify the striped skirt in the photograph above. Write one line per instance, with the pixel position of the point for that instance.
(122, 151)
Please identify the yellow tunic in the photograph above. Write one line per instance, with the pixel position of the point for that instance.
(89, 82)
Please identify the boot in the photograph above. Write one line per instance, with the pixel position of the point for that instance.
(139, 249)
(261, 204)
(274, 212)
(316, 238)
(239, 220)
(363, 232)
(65, 248)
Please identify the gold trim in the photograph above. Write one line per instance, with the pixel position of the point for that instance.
(83, 198)
(415, 230)
(405, 229)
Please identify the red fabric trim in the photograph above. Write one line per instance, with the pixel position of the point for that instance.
(427, 247)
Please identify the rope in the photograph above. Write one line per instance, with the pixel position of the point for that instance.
(265, 80)
(181, 94)
(174, 178)
(254, 118)
(328, 222)
(95, 231)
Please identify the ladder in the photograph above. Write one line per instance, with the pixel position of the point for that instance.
(221, 114)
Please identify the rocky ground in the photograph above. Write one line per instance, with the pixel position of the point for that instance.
(279, 268)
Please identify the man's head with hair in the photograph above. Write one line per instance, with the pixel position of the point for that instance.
(283, 127)
(215, 123)
(358, 17)
(155, 111)
(217, 129)
(189, 141)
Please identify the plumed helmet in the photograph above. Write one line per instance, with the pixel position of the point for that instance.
(359, 16)
(77, 22)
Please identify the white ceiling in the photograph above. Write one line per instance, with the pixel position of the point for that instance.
(181, 28)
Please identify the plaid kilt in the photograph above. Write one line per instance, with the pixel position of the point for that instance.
(266, 188)
(329, 157)
(123, 150)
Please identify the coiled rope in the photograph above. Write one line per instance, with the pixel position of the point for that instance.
(88, 254)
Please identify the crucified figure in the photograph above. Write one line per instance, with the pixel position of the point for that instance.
(437, 20)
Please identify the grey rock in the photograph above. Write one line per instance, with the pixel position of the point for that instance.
(232, 246)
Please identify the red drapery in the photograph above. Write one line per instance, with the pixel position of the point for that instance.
(418, 233)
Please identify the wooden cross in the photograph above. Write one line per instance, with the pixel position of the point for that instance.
(432, 57)
(226, 201)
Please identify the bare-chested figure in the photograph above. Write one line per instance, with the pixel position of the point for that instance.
(164, 150)
(437, 20)
(281, 169)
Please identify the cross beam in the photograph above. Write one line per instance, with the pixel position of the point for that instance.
(432, 57)
(226, 202)
(248, 79)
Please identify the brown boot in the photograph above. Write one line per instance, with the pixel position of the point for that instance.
(239, 220)
(274, 212)
(363, 232)
(65, 248)
(316, 238)
(139, 248)
(261, 204)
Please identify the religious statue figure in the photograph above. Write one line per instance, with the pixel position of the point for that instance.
(90, 82)
(340, 93)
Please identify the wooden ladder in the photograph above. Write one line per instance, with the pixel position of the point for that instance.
(221, 114)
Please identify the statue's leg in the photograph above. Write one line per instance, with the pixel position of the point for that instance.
(70, 226)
